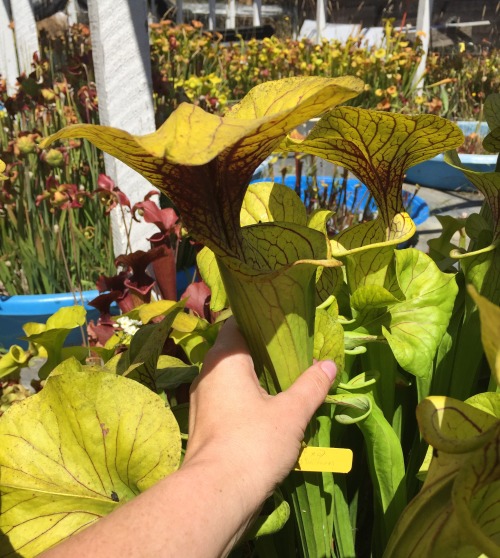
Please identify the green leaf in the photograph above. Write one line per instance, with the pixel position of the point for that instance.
(378, 147)
(146, 346)
(488, 183)
(209, 271)
(372, 235)
(204, 162)
(492, 141)
(329, 340)
(492, 115)
(441, 246)
(52, 335)
(87, 443)
(487, 402)
(457, 512)
(384, 454)
(492, 110)
(413, 326)
(490, 326)
(195, 335)
(272, 523)
(265, 202)
(13, 361)
(172, 372)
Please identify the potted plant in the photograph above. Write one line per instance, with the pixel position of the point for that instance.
(399, 324)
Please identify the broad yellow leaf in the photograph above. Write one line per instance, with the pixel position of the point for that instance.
(89, 441)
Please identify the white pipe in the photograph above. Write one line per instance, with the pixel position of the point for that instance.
(231, 14)
(211, 15)
(320, 19)
(424, 16)
(257, 11)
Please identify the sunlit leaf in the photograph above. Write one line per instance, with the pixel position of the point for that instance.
(265, 202)
(269, 524)
(490, 328)
(457, 512)
(210, 274)
(13, 360)
(204, 162)
(52, 335)
(378, 148)
(85, 444)
(329, 340)
(413, 326)
(488, 183)
(373, 234)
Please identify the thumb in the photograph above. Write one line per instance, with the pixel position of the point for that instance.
(310, 389)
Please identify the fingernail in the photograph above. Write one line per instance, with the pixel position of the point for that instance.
(329, 368)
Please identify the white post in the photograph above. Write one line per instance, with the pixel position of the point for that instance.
(424, 15)
(212, 19)
(8, 58)
(26, 33)
(231, 14)
(257, 11)
(178, 13)
(320, 19)
(72, 11)
(123, 76)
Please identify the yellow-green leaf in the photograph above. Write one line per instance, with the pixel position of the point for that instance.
(204, 162)
(52, 335)
(414, 321)
(488, 183)
(492, 110)
(13, 361)
(329, 340)
(265, 202)
(378, 147)
(492, 115)
(373, 234)
(210, 274)
(490, 327)
(457, 512)
(85, 444)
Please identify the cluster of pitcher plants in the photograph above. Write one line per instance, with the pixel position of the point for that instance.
(191, 64)
(407, 330)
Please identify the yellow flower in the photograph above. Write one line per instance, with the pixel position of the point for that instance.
(2, 168)
(380, 53)
(379, 92)
(419, 99)
(48, 94)
(392, 91)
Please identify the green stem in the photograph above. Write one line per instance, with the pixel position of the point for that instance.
(275, 313)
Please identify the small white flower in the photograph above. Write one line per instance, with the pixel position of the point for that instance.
(128, 325)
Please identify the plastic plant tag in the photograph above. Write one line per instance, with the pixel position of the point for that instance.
(324, 460)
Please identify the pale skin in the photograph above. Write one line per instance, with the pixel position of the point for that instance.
(242, 444)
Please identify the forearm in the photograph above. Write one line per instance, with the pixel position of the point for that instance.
(198, 511)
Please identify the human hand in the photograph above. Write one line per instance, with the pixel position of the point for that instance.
(254, 436)
(242, 443)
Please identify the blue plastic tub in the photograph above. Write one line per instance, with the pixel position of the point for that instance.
(15, 311)
(419, 210)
